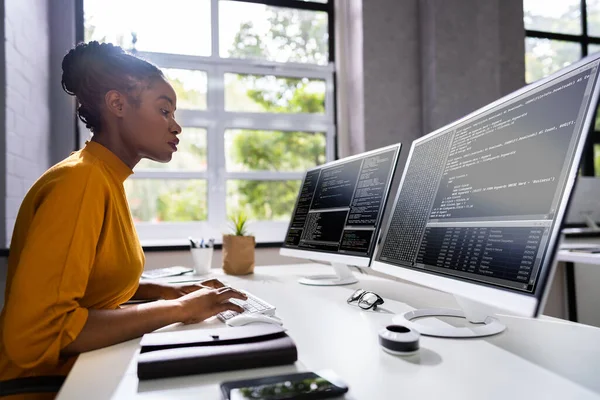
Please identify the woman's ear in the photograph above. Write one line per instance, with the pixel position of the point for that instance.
(115, 102)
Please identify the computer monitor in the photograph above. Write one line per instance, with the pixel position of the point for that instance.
(584, 209)
(480, 204)
(338, 212)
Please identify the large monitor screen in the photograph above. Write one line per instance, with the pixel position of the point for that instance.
(480, 199)
(340, 204)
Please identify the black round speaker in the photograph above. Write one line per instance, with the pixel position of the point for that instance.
(399, 340)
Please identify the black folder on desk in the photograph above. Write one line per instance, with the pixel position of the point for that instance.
(169, 354)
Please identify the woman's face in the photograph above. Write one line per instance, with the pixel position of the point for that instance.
(150, 126)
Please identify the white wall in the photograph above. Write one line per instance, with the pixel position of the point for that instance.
(27, 101)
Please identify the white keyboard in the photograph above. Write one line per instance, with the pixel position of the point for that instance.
(252, 305)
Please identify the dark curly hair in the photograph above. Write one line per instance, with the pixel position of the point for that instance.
(92, 69)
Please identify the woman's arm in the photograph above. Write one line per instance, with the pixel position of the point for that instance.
(107, 327)
(151, 291)
(155, 291)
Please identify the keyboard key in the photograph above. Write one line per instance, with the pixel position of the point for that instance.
(252, 305)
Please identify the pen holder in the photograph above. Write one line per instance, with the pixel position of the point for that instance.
(202, 260)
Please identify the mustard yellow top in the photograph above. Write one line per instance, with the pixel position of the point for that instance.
(74, 248)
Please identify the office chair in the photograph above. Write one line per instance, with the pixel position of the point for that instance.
(32, 384)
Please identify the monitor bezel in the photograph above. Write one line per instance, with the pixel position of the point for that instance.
(335, 257)
(526, 304)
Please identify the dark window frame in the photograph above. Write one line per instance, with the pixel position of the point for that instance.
(328, 7)
(587, 162)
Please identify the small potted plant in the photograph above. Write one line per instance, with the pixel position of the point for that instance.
(238, 248)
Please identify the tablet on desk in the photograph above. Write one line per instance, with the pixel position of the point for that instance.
(301, 385)
(138, 301)
(166, 272)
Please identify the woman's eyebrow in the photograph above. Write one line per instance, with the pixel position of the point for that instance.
(165, 97)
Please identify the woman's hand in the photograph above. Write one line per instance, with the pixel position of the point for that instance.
(170, 292)
(205, 302)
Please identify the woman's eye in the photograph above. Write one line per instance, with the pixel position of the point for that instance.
(165, 112)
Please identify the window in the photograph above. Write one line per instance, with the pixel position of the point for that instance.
(557, 34)
(254, 83)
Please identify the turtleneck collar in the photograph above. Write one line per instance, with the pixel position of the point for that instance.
(119, 168)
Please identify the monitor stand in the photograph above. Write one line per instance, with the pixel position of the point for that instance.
(343, 276)
(473, 311)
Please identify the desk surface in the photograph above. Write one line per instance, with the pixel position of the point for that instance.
(543, 358)
(565, 255)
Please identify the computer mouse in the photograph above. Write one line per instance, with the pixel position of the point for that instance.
(245, 319)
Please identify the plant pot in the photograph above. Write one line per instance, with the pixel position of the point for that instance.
(238, 254)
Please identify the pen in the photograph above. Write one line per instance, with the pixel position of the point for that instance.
(192, 242)
(201, 243)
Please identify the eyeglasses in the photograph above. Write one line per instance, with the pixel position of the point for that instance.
(365, 299)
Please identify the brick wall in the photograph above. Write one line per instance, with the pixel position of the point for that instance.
(27, 100)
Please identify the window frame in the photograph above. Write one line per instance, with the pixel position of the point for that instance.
(584, 39)
(216, 120)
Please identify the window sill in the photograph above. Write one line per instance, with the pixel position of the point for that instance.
(172, 245)
(166, 245)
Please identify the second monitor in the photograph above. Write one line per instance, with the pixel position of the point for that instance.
(338, 212)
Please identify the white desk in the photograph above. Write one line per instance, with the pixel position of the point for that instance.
(533, 359)
(576, 257)
(571, 258)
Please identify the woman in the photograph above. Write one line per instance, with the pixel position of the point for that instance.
(75, 256)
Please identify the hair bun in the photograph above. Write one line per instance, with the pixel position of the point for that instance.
(77, 63)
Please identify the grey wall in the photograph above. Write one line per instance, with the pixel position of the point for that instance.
(429, 62)
(392, 72)
(62, 38)
(473, 53)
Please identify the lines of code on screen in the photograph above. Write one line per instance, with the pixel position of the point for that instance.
(339, 206)
(480, 205)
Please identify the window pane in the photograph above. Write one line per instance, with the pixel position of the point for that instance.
(593, 17)
(176, 27)
(593, 48)
(262, 200)
(268, 93)
(190, 87)
(597, 159)
(190, 154)
(543, 56)
(160, 200)
(257, 31)
(249, 150)
(553, 16)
